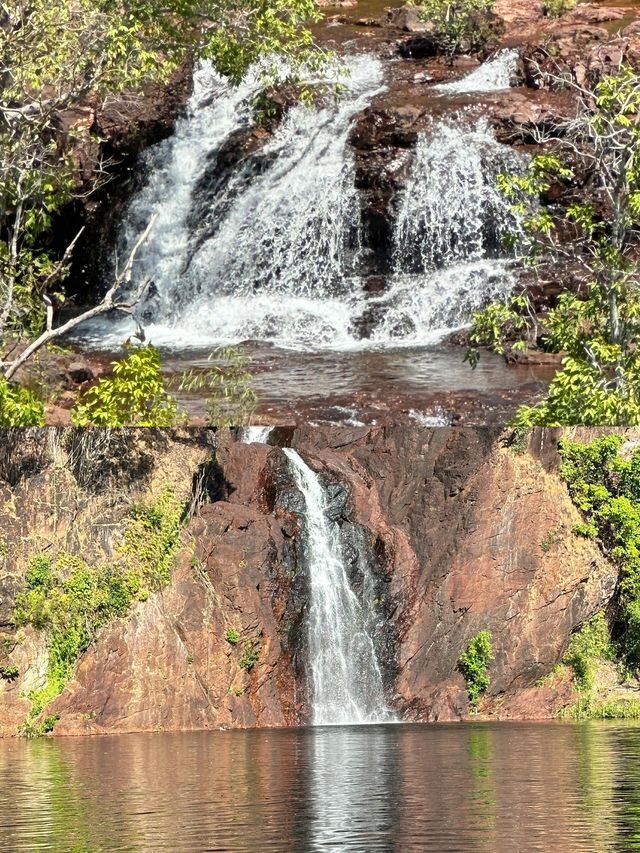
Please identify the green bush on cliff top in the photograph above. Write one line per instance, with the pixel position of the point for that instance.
(71, 600)
(606, 488)
(474, 664)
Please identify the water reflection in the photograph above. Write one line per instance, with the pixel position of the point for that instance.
(355, 789)
(478, 787)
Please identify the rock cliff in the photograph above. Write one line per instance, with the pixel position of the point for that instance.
(461, 533)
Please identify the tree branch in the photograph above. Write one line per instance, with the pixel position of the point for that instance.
(108, 303)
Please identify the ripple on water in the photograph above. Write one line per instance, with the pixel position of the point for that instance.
(497, 788)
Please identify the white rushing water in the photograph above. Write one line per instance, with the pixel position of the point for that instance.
(215, 110)
(494, 75)
(255, 434)
(271, 254)
(346, 680)
(268, 249)
(449, 257)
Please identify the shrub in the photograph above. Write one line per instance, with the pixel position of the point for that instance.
(71, 600)
(19, 407)
(459, 26)
(9, 673)
(474, 663)
(606, 488)
(557, 8)
(227, 383)
(251, 654)
(232, 637)
(552, 537)
(587, 647)
(135, 396)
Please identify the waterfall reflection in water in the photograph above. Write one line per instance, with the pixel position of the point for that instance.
(472, 788)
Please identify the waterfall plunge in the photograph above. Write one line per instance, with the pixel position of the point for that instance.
(346, 680)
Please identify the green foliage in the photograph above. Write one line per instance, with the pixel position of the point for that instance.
(65, 55)
(597, 326)
(232, 637)
(251, 654)
(606, 488)
(552, 537)
(19, 407)
(135, 396)
(231, 398)
(557, 8)
(9, 673)
(151, 539)
(587, 647)
(461, 26)
(619, 709)
(72, 600)
(474, 664)
(586, 530)
(518, 440)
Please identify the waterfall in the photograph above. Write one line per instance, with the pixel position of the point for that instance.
(268, 249)
(449, 255)
(254, 434)
(268, 253)
(346, 680)
(215, 110)
(495, 74)
(451, 209)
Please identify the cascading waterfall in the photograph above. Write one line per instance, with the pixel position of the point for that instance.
(494, 75)
(215, 110)
(269, 250)
(255, 434)
(449, 258)
(274, 258)
(345, 676)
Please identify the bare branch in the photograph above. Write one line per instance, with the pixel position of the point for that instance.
(110, 302)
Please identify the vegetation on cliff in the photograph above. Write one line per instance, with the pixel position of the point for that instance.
(71, 600)
(595, 322)
(605, 486)
(474, 666)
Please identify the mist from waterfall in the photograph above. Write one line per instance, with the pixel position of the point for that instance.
(346, 681)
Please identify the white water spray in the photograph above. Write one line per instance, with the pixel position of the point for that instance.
(494, 75)
(255, 434)
(272, 255)
(345, 676)
(449, 257)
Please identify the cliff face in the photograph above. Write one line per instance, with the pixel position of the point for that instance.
(460, 533)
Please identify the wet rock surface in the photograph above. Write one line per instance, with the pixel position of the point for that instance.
(448, 523)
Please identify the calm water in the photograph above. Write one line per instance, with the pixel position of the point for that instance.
(470, 787)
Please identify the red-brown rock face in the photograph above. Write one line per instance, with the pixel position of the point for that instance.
(460, 533)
